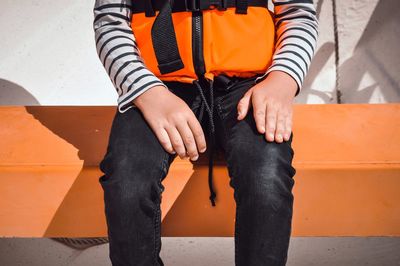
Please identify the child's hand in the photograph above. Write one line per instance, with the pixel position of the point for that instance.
(272, 101)
(172, 121)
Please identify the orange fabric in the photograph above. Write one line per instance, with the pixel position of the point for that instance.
(237, 44)
(141, 26)
(231, 43)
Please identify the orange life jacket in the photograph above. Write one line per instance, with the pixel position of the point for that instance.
(193, 38)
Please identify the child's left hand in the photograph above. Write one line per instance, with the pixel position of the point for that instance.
(272, 101)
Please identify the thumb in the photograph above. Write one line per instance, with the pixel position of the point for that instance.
(243, 105)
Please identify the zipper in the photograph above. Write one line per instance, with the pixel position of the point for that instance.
(197, 43)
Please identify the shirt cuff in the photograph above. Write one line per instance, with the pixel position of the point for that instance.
(287, 71)
(125, 102)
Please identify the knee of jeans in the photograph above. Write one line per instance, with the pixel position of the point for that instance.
(255, 150)
(269, 164)
(123, 165)
(131, 195)
(265, 182)
(266, 198)
(131, 184)
(140, 192)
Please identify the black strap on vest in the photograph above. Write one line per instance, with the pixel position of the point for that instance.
(164, 41)
(163, 33)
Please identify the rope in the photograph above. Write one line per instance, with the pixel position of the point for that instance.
(82, 243)
(337, 59)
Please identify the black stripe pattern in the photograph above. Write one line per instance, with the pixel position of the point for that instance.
(296, 26)
(118, 52)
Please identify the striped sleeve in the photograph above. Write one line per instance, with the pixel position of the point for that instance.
(296, 26)
(118, 52)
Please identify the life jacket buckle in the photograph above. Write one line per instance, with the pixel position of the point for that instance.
(199, 5)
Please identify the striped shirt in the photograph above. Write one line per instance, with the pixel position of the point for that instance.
(296, 39)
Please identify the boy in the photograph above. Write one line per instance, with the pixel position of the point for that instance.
(163, 95)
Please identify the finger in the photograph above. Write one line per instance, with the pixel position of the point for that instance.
(163, 138)
(280, 127)
(288, 126)
(188, 140)
(176, 141)
(198, 134)
(270, 122)
(259, 110)
(244, 105)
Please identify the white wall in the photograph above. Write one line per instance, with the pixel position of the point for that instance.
(48, 55)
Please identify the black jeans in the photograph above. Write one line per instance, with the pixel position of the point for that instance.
(261, 174)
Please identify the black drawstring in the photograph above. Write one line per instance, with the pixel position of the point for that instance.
(210, 111)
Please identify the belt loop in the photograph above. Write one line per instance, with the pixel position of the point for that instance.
(224, 82)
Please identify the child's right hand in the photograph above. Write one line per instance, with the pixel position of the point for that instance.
(173, 122)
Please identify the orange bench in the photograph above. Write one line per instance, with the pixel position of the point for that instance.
(347, 183)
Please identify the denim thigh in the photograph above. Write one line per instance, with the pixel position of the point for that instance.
(261, 175)
(134, 165)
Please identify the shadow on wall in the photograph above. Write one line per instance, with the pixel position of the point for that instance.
(12, 93)
(320, 60)
(376, 54)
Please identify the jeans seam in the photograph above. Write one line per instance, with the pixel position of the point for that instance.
(157, 212)
(237, 235)
(226, 135)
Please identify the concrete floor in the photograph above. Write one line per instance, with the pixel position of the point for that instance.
(327, 251)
